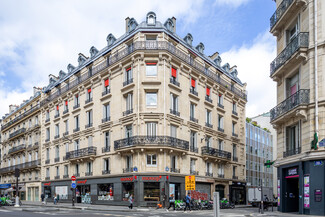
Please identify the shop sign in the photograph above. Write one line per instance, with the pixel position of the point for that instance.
(189, 183)
(127, 179)
(5, 185)
(293, 171)
(321, 143)
(318, 163)
(82, 182)
(318, 195)
(47, 184)
(151, 178)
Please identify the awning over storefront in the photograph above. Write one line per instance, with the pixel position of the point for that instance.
(5, 186)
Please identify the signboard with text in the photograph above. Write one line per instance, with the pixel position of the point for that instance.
(189, 183)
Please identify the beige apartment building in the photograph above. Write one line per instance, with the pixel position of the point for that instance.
(20, 149)
(138, 116)
(298, 118)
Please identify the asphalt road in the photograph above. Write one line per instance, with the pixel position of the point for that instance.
(154, 213)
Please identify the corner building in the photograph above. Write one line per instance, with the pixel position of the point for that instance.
(299, 115)
(139, 115)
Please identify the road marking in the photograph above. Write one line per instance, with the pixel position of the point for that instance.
(3, 210)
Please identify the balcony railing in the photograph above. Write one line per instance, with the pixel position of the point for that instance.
(17, 148)
(128, 170)
(57, 115)
(26, 165)
(221, 106)
(174, 112)
(57, 177)
(208, 98)
(194, 119)
(84, 152)
(291, 152)
(76, 129)
(235, 159)
(209, 125)
(222, 176)
(194, 149)
(215, 152)
(88, 173)
(47, 178)
(106, 149)
(106, 119)
(193, 172)
(66, 133)
(127, 112)
(301, 97)
(76, 174)
(173, 81)
(17, 132)
(221, 129)
(47, 161)
(65, 111)
(57, 159)
(76, 106)
(234, 113)
(234, 135)
(106, 91)
(192, 91)
(174, 170)
(56, 136)
(47, 120)
(282, 8)
(235, 177)
(301, 40)
(88, 100)
(66, 176)
(145, 45)
(151, 140)
(88, 125)
(208, 174)
(106, 172)
(127, 82)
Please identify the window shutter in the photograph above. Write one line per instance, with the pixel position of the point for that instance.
(208, 91)
(106, 82)
(174, 73)
(192, 82)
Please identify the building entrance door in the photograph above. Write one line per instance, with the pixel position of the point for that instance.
(292, 195)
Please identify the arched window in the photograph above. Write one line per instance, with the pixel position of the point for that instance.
(151, 18)
(169, 25)
(132, 24)
(110, 39)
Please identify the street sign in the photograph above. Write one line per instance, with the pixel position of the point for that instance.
(268, 163)
(189, 183)
(73, 178)
(73, 185)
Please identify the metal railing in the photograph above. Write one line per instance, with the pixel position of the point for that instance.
(222, 176)
(301, 40)
(106, 149)
(127, 112)
(192, 91)
(282, 8)
(208, 98)
(57, 136)
(76, 106)
(234, 113)
(127, 82)
(17, 148)
(106, 172)
(291, 152)
(106, 91)
(81, 153)
(174, 112)
(145, 45)
(106, 119)
(301, 97)
(57, 159)
(66, 176)
(235, 159)
(193, 172)
(88, 173)
(66, 133)
(76, 129)
(194, 119)
(57, 177)
(88, 125)
(17, 132)
(128, 170)
(47, 120)
(209, 125)
(174, 170)
(57, 115)
(151, 140)
(47, 161)
(88, 100)
(194, 149)
(25, 165)
(173, 81)
(221, 129)
(235, 177)
(234, 134)
(65, 111)
(215, 152)
(221, 106)
(208, 174)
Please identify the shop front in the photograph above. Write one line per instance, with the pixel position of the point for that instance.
(33, 191)
(237, 193)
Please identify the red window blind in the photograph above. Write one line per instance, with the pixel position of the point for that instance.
(106, 82)
(151, 63)
(66, 102)
(193, 82)
(89, 90)
(208, 91)
(128, 69)
(57, 108)
(174, 72)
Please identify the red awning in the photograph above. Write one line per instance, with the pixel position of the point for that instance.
(106, 82)
(208, 91)
(193, 83)
(174, 72)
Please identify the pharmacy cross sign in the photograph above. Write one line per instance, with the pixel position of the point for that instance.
(268, 163)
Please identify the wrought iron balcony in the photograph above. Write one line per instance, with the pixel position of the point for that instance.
(194, 149)
(221, 129)
(193, 91)
(208, 98)
(76, 106)
(106, 172)
(235, 177)
(35, 145)
(17, 132)
(47, 140)
(291, 152)
(193, 172)
(88, 173)
(88, 100)
(106, 91)
(89, 125)
(76, 174)
(17, 149)
(57, 177)
(151, 140)
(65, 111)
(76, 129)
(301, 97)
(127, 112)
(66, 176)
(56, 136)
(174, 170)
(47, 178)
(194, 119)
(209, 125)
(234, 113)
(300, 41)
(47, 161)
(282, 8)
(215, 152)
(234, 134)
(222, 176)
(57, 159)
(47, 120)
(235, 159)
(221, 106)
(84, 152)
(66, 133)
(173, 81)
(106, 149)
(174, 112)
(127, 82)
(208, 174)
(106, 119)
(128, 170)
(57, 115)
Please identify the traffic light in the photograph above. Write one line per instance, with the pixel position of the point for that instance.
(314, 142)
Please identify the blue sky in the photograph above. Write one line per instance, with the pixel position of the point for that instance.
(39, 38)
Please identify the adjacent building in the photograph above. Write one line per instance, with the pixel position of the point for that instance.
(298, 118)
(138, 116)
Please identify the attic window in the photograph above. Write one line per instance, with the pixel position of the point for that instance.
(151, 37)
(151, 20)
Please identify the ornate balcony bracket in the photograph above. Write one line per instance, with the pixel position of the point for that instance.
(302, 114)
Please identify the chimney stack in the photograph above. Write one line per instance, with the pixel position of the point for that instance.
(126, 24)
(174, 22)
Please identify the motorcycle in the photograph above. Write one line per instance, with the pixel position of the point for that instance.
(225, 204)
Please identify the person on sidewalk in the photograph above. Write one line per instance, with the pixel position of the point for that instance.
(171, 202)
(131, 201)
(55, 199)
(188, 201)
(42, 197)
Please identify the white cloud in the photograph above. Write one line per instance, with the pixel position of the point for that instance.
(233, 3)
(39, 38)
(253, 65)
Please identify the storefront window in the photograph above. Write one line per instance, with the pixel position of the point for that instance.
(47, 191)
(128, 189)
(83, 194)
(151, 191)
(105, 191)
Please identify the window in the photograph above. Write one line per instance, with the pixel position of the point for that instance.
(292, 138)
(30, 157)
(221, 144)
(151, 37)
(76, 122)
(151, 20)
(77, 169)
(66, 147)
(234, 150)
(89, 95)
(66, 124)
(151, 69)
(234, 107)
(151, 191)
(221, 169)
(57, 151)
(293, 30)
(57, 171)
(65, 105)
(193, 84)
(192, 111)
(193, 141)
(208, 92)
(292, 86)
(76, 144)
(173, 162)
(173, 131)
(89, 167)
(106, 111)
(151, 99)
(106, 164)
(76, 100)
(47, 115)
(128, 131)
(106, 86)
(30, 140)
(89, 115)
(57, 111)
(192, 165)
(220, 99)
(151, 129)
(66, 170)
(174, 102)
(128, 160)
(57, 130)
(90, 141)
(151, 160)
(107, 145)
(174, 74)
(47, 154)
(129, 102)
(208, 168)
(47, 172)
(128, 74)
(36, 120)
(233, 127)
(220, 122)
(208, 117)
(234, 171)
(208, 141)
(30, 123)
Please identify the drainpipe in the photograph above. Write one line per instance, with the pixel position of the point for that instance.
(316, 82)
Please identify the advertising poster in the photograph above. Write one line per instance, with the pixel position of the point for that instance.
(278, 192)
(306, 192)
(171, 190)
(62, 191)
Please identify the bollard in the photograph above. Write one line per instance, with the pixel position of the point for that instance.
(17, 202)
(216, 204)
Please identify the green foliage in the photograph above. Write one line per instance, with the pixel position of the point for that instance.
(248, 120)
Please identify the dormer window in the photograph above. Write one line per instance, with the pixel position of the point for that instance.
(110, 39)
(169, 25)
(93, 51)
(200, 47)
(151, 18)
(188, 39)
(132, 24)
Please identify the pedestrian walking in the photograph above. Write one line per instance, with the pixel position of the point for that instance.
(131, 201)
(55, 199)
(42, 198)
(188, 201)
(171, 202)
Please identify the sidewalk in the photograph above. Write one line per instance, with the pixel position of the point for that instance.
(32, 205)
